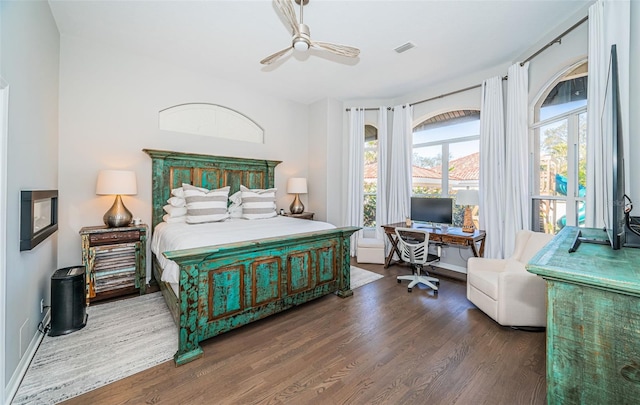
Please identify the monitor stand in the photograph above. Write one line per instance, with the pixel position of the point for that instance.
(426, 225)
(580, 239)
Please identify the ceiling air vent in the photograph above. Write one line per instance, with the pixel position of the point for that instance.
(405, 47)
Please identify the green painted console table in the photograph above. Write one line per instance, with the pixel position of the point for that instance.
(593, 320)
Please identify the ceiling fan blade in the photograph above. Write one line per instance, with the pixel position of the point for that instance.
(342, 50)
(286, 8)
(272, 58)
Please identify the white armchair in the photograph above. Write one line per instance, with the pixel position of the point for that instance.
(504, 289)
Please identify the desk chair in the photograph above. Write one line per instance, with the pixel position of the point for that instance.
(414, 249)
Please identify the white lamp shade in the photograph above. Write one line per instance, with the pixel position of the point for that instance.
(467, 197)
(122, 182)
(297, 185)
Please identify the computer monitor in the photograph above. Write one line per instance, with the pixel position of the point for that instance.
(432, 210)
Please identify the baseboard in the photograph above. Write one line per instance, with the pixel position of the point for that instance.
(12, 387)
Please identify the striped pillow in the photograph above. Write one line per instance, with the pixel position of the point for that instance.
(258, 204)
(205, 206)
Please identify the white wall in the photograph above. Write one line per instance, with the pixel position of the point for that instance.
(325, 161)
(109, 103)
(29, 64)
(317, 154)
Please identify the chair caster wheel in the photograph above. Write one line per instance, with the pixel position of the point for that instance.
(437, 284)
(435, 292)
(399, 281)
(409, 289)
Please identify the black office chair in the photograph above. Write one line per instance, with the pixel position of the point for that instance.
(414, 249)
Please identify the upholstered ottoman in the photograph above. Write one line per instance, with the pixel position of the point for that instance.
(370, 250)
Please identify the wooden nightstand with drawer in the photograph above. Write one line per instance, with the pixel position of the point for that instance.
(114, 260)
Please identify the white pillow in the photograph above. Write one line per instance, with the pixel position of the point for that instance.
(235, 206)
(169, 219)
(258, 204)
(206, 206)
(177, 202)
(175, 211)
(236, 198)
(177, 192)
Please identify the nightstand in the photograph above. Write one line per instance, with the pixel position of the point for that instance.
(114, 260)
(304, 215)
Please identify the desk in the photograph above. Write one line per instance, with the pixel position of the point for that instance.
(453, 236)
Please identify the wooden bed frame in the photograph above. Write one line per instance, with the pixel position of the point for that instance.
(226, 286)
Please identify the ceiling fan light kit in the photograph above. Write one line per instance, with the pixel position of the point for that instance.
(301, 40)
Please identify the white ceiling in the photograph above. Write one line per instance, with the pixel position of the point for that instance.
(227, 39)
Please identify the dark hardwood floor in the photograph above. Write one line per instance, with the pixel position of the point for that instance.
(381, 346)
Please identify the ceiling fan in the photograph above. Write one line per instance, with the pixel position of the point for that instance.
(301, 40)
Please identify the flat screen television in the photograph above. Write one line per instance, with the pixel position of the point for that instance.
(613, 157)
(432, 210)
(612, 149)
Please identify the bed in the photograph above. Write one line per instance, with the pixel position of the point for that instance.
(222, 287)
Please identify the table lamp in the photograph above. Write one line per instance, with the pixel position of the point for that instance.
(297, 186)
(117, 182)
(468, 198)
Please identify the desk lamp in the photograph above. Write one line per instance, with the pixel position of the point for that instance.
(467, 198)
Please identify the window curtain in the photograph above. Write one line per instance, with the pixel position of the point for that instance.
(355, 191)
(400, 164)
(517, 213)
(609, 23)
(383, 178)
(492, 166)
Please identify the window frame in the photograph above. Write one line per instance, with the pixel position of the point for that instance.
(572, 199)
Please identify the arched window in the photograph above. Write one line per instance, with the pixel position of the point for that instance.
(559, 145)
(446, 156)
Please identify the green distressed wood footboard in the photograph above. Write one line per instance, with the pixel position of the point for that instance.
(227, 286)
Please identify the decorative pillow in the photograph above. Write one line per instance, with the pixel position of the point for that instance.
(169, 219)
(236, 198)
(235, 205)
(177, 202)
(258, 204)
(206, 206)
(175, 211)
(177, 192)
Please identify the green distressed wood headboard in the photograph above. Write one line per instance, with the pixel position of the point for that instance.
(170, 169)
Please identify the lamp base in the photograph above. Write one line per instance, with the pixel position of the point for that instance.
(296, 206)
(118, 215)
(468, 226)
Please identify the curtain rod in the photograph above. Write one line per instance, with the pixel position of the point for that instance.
(366, 109)
(557, 39)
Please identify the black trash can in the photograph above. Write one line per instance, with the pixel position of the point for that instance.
(68, 305)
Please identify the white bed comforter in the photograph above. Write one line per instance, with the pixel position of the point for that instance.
(176, 236)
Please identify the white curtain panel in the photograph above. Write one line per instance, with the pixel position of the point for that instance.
(400, 168)
(355, 191)
(609, 23)
(492, 166)
(383, 178)
(517, 214)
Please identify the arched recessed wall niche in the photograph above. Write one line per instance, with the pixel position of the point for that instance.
(210, 120)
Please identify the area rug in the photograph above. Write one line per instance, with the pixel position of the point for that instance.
(121, 338)
(360, 277)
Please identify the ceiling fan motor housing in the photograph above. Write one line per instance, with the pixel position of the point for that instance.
(302, 42)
